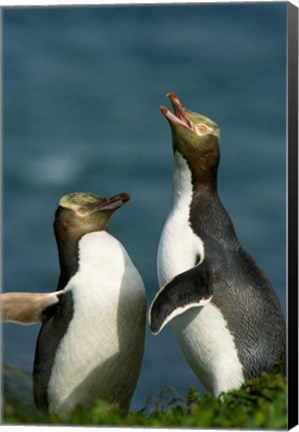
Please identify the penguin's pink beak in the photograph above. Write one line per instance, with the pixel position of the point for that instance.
(113, 203)
(179, 116)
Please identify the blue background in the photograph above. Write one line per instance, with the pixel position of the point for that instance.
(82, 90)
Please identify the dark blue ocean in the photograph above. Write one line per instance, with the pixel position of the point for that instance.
(82, 91)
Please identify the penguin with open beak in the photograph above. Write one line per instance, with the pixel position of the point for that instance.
(91, 342)
(222, 308)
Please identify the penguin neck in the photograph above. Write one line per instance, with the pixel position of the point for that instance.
(188, 182)
(68, 243)
(68, 251)
(182, 188)
(74, 250)
(198, 197)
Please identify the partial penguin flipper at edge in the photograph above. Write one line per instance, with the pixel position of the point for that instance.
(192, 288)
(27, 308)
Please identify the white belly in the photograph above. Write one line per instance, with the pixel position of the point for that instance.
(201, 331)
(102, 350)
(209, 348)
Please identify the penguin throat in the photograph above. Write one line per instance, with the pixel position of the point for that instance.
(182, 182)
(192, 177)
(68, 259)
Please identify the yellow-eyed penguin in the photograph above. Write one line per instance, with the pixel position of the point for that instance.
(91, 342)
(223, 310)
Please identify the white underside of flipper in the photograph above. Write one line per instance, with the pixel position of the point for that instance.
(178, 311)
(202, 331)
(101, 353)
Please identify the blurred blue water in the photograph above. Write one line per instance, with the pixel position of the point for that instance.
(82, 90)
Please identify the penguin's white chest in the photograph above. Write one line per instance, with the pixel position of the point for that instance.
(179, 248)
(109, 307)
(201, 331)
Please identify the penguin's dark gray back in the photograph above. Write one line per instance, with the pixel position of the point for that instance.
(56, 323)
(242, 292)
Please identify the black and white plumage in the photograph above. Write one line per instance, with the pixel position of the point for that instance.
(91, 342)
(222, 308)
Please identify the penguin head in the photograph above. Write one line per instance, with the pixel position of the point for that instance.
(80, 213)
(194, 136)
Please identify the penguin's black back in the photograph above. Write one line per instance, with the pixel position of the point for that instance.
(57, 320)
(252, 312)
(51, 333)
(242, 292)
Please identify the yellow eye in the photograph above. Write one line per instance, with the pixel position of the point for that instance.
(82, 211)
(202, 128)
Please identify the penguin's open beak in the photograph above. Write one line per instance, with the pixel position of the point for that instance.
(112, 203)
(179, 116)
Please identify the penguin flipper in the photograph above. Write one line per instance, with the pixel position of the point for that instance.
(192, 288)
(26, 308)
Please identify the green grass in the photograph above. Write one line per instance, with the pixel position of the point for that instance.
(260, 403)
